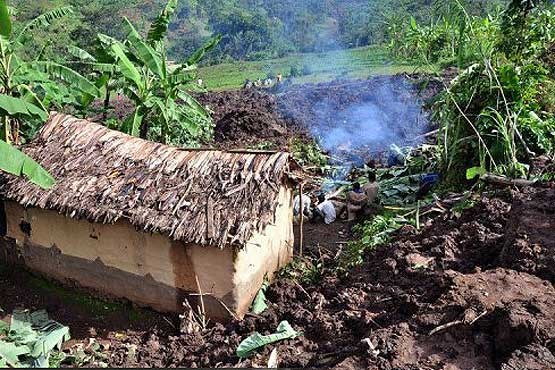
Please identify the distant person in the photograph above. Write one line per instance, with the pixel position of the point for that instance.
(279, 78)
(200, 82)
(356, 201)
(325, 210)
(371, 190)
(247, 84)
(302, 203)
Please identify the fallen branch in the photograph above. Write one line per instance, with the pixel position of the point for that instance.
(501, 180)
(457, 322)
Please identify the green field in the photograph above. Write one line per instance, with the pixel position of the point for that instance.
(349, 64)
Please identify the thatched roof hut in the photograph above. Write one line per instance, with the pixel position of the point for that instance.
(206, 198)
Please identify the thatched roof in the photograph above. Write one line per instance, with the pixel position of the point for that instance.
(206, 197)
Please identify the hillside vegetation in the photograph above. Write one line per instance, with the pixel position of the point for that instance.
(252, 29)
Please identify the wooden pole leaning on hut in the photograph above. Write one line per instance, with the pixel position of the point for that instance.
(301, 236)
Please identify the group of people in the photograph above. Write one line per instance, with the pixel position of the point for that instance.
(268, 82)
(360, 200)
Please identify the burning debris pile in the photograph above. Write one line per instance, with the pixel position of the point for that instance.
(359, 120)
(353, 121)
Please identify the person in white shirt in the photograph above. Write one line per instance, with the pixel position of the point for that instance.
(326, 210)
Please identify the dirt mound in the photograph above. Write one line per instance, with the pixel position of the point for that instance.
(246, 118)
(445, 297)
(530, 243)
(253, 118)
(442, 298)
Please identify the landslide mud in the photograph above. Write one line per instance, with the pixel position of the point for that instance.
(442, 298)
(263, 119)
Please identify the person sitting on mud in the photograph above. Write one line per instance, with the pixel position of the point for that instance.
(325, 210)
(356, 201)
(305, 206)
(371, 190)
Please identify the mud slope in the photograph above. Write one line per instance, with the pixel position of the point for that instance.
(448, 297)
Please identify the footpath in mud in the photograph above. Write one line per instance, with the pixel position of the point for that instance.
(468, 292)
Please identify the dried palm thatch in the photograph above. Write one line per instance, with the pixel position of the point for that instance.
(205, 197)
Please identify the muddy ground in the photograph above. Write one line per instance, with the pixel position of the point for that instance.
(468, 292)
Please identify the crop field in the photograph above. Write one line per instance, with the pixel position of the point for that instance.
(358, 63)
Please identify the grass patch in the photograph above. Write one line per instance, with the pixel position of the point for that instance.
(94, 306)
(356, 63)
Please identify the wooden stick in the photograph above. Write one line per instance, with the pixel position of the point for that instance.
(500, 180)
(301, 236)
(201, 303)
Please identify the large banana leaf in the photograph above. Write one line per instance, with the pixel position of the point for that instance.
(159, 27)
(18, 107)
(132, 125)
(18, 163)
(80, 54)
(127, 68)
(193, 103)
(5, 21)
(45, 20)
(31, 339)
(145, 52)
(68, 75)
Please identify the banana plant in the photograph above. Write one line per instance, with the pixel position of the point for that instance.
(164, 110)
(27, 89)
(35, 84)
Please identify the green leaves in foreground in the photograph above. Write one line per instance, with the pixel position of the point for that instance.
(20, 108)
(248, 346)
(30, 339)
(259, 304)
(18, 163)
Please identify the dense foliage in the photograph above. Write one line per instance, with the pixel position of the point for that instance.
(139, 68)
(28, 87)
(498, 113)
(253, 29)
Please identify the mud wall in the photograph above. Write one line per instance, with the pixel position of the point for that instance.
(149, 269)
(274, 246)
(117, 260)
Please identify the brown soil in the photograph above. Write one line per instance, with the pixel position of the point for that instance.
(247, 118)
(474, 292)
(468, 292)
